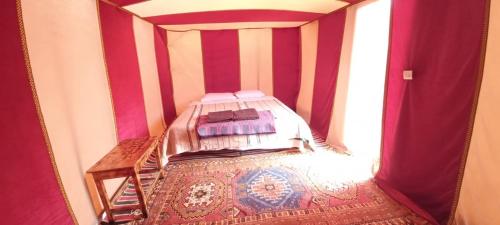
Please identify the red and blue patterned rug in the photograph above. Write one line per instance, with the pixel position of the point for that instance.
(321, 187)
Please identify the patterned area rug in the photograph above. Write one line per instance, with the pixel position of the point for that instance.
(321, 187)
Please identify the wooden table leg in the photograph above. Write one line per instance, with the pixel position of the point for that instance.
(104, 198)
(140, 193)
(94, 195)
(158, 161)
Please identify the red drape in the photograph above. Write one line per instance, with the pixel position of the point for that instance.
(165, 77)
(123, 71)
(330, 35)
(427, 119)
(221, 60)
(29, 188)
(286, 65)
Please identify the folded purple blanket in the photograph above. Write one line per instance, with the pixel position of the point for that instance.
(264, 124)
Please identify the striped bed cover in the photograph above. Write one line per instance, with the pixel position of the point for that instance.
(291, 129)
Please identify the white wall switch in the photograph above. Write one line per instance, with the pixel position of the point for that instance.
(408, 75)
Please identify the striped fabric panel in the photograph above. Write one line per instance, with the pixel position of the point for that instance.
(31, 194)
(227, 61)
(309, 45)
(256, 56)
(146, 53)
(330, 35)
(286, 65)
(123, 71)
(337, 121)
(72, 87)
(164, 74)
(221, 60)
(249, 58)
(186, 66)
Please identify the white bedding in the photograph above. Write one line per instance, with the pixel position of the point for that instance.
(291, 129)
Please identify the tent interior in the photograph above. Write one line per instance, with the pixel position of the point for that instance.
(341, 112)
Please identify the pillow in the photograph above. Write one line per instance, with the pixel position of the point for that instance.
(249, 94)
(213, 97)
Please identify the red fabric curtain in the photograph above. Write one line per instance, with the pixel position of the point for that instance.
(286, 65)
(123, 71)
(165, 77)
(427, 119)
(30, 192)
(221, 60)
(330, 36)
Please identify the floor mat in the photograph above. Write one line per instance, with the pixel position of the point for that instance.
(321, 187)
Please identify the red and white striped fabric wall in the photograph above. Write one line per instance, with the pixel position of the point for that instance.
(88, 75)
(329, 45)
(32, 192)
(231, 60)
(282, 62)
(138, 72)
(119, 32)
(298, 65)
(103, 75)
(228, 14)
(191, 64)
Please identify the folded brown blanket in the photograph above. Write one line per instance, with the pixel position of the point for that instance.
(246, 114)
(220, 116)
(228, 115)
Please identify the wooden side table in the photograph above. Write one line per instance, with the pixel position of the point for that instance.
(126, 160)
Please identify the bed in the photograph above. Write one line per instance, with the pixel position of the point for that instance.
(345, 202)
(292, 132)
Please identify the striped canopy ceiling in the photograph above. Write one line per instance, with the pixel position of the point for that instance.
(184, 15)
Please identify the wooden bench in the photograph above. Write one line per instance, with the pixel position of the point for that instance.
(128, 159)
